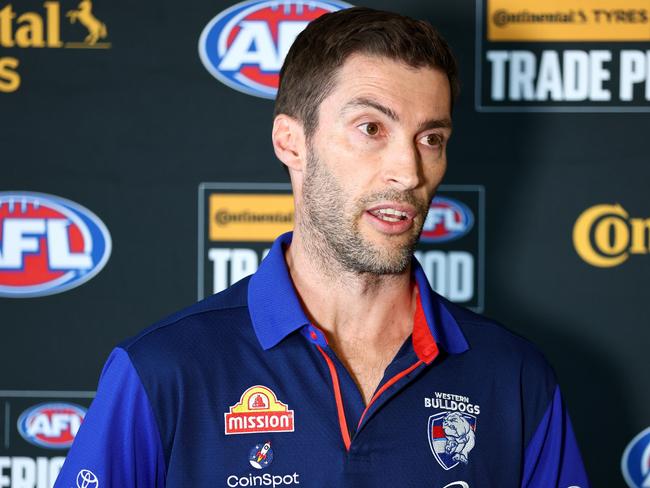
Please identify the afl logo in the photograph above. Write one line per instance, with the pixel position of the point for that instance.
(51, 425)
(447, 219)
(48, 244)
(244, 46)
(635, 463)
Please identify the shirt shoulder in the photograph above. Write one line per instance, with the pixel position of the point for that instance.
(176, 352)
(217, 314)
(185, 357)
(491, 338)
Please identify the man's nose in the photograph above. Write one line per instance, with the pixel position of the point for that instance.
(402, 167)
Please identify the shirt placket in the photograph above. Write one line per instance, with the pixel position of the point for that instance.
(353, 415)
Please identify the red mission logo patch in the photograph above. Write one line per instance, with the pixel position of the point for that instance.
(258, 410)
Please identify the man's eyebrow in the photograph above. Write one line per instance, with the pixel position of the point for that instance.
(369, 102)
(390, 113)
(435, 124)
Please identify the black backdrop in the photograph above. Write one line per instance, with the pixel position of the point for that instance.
(131, 127)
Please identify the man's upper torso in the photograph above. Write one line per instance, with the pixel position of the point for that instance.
(241, 390)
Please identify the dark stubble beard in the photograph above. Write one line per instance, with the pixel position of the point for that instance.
(331, 232)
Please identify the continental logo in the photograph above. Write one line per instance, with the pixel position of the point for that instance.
(44, 30)
(257, 411)
(605, 235)
(249, 217)
(568, 20)
(563, 55)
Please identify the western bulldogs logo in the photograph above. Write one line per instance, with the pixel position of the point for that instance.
(635, 463)
(244, 46)
(452, 435)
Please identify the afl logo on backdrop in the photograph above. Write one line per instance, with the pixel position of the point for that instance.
(448, 219)
(635, 463)
(48, 244)
(51, 425)
(244, 46)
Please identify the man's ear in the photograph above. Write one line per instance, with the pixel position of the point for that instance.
(289, 141)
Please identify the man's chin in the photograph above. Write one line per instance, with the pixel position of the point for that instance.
(392, 244)
(387, 259)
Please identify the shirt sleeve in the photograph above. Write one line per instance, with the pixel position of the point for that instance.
(552, 458)
(118, 444)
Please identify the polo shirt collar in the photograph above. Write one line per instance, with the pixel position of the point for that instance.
(442, 324)
(276, 311)
(272, 300)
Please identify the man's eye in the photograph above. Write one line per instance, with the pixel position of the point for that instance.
(369, 128)
(432, 140)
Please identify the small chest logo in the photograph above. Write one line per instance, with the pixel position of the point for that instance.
(258, 410)
(261, 455)
(452, 432)
(452, 437)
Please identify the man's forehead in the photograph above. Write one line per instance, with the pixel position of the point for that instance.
(391, 87)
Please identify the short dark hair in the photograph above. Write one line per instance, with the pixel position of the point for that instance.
(309, 70)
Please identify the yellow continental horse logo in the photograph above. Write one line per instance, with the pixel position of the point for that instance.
(84, 14)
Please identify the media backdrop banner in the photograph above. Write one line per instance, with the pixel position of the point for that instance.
(137, 176)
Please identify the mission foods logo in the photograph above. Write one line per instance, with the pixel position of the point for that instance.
(258, 411)
(245, 45)
(51, 425)
(239, 222)
(563, 55)
(606, 235)
(48, 244)
(56, 25)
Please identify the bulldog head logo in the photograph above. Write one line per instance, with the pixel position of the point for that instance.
(460, 436)
(452, 435)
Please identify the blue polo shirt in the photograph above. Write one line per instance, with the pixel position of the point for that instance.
(241, 390)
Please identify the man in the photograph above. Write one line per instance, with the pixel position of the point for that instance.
(335, 365)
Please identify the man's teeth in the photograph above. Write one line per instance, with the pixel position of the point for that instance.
(390, 214)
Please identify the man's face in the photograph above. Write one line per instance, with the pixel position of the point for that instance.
(374, 163)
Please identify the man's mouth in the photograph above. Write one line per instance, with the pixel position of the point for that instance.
(389, 214)
(391, 218)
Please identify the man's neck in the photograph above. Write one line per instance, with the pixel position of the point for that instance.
(366, 318)
(349, 304)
